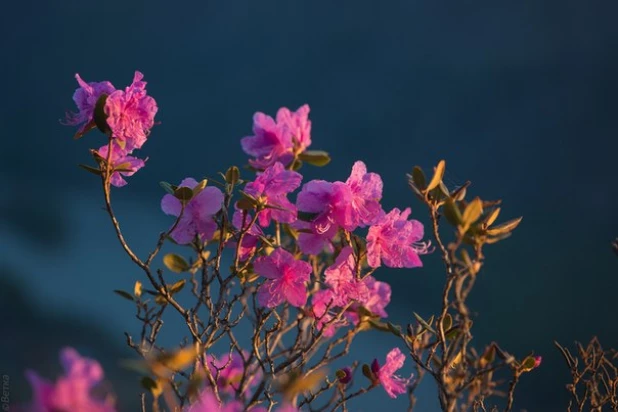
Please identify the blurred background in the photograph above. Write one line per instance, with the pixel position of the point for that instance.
(518, 97)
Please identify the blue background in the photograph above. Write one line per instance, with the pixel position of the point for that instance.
(519, 97)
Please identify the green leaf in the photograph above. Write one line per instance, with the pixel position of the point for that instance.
(149, 384)
(85, 129)
(504, 228)
(246, 204)
(418, 178)
(232, 175)
(447, 322)
(184, 194)
(437, 176)
(315, 157)
(90, 169)
(452, 213)
(394, 329)
(99, 115)
(124, 294)
(423, 323)
(169, 188)
(528, 364)
(175, 263)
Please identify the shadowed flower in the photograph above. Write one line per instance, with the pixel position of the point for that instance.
(275, 141)
(324, 199)
(207, 402)
(85, 98)
(73, 390)
(395, 241)
(197, 218)
(286, 279)
(272, 187)
(394, 385)
(126, 165)
(228, 371)
(130, 114)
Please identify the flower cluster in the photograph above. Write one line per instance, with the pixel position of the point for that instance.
(126, 116)
(73, 391)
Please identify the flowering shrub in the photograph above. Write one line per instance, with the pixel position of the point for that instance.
(301, 270)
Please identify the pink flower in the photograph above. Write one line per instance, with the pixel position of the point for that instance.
(325, 200)
(396, 241)
(73, 390)
(197, 218)
(241, 221)
(130, 114)
(272, 187)
(366, 191)
(207, 402)
(128, 164)
(85, 97)
(394, 385)
(286, 279)
(537, 361)
(274, 141)
(341, 279)
(228, 371)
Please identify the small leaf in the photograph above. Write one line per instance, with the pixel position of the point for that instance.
(99, 115)
(150, 385)
(447, 322)
(176, 361)
(528, 364)
(169, 188)
(452, 213)
(491, 217)
(504, 227)
(137, 289)
(394, 329)
(199, 187)
(124, 294)
(175, 263)
(184, 194)
(437, 176)
(302, 384)
(232, 175)
(91, 169)
(296, 165)
(245, 204)
(177, 287)
(418, 178)
(423, 323)
(473, 211)
(367, 372)
(85, 129)
(315, 157)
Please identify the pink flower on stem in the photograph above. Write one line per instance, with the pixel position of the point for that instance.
(272, 187)
(324, 199)
(126, 164)
(241, 221)
(394, 385)
(228, 371)
(73, 390)
(197, 218)
(366, 191)
(85, 98)
(537, 361)
(286, 278)
(341, 279)
(273, 141)
(323, 304)
(395, 240)
(130, 114)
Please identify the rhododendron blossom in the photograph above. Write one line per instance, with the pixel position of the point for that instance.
(366, 191)
(126, 164)
(286, 279)
(85, 98)
(130, 114)
(197, 217)
(394, 385)
(271, 188)
(228, 371)
(274, 141)
(74, 390)
(396, 241)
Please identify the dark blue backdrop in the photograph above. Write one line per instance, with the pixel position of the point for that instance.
(519, 97)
